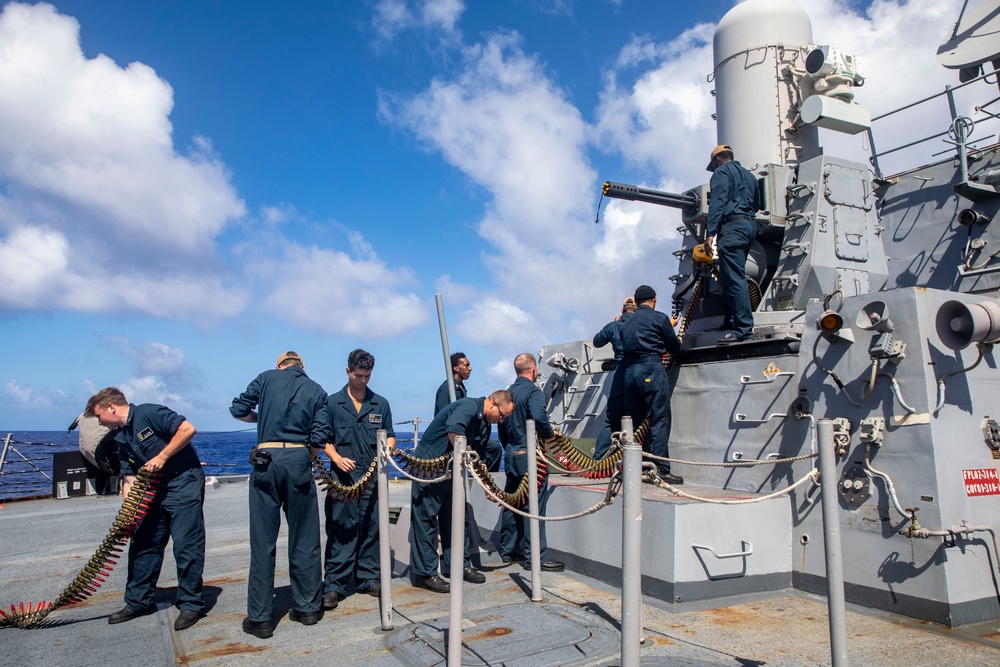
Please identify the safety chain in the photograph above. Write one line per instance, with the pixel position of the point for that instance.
(811, 475)
(338, 491)
(425, 468)
(729, 464)
(519, 496)
(613, 488)
(93, 574)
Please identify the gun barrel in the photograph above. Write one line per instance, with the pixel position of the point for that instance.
(635, 193)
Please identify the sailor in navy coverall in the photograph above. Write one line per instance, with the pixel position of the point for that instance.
(612, 333)
(646, 336)
(292, 425)
(356, 415)
(732, 205)
(529, 403)
(461, 369)
(158, 439)
(430, 504)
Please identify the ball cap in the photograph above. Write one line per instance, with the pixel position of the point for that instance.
(289, 356)
(721, 148)
(644, 293)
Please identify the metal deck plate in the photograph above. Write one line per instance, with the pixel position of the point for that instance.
(522, 635)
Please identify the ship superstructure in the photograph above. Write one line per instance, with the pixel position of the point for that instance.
(875, 299)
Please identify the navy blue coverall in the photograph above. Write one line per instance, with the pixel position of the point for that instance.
(529, 403)
(490, 452)
(430, 504)
(175, 513)
(292, 411)
(352, 557)
(646, 336)
(612, 333)
(443, 398)
(732, 204)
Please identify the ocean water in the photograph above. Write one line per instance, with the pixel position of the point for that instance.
(221, 453)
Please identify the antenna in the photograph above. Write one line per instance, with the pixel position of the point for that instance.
(977, 41)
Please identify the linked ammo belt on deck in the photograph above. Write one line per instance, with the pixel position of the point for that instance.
(280, 445)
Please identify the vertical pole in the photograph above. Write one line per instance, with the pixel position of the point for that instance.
(831, 540)
(384, 546)
(533, 528)
(457, 552)
(631, 546)
(444, 349)
(6, 446)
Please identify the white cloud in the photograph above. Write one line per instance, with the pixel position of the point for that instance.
(147, 389)
(395, 16)
(87, 163)
(511, 129)
(32, 261)
(26, 398)
(336, 293)
(153, 357)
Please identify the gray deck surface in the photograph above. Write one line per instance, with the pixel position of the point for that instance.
(43, 543)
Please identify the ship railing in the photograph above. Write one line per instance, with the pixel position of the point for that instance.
(959, 130)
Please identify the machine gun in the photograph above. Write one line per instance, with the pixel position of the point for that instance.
(693, 203)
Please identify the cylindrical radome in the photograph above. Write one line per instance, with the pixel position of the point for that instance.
(755, 105)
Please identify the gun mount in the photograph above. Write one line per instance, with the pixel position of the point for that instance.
(693, 203)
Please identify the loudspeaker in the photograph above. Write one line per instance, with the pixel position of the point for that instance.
(874, 317)
(962, 324)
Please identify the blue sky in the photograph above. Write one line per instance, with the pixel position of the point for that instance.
(189, 189)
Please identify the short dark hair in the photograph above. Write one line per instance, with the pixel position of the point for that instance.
(360, 360)
(104, 398)
(457, 357)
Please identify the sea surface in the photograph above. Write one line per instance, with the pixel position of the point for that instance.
(29, 457)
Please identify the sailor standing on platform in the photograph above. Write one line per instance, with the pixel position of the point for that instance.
(529, 403)
(430, 504)
(732, 204)
(646, 337)
(158, 439)
(292, 425)
(356, 415)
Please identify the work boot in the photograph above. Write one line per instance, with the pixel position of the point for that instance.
(303, 617)
(128, 613)
(473, 576)
(434, 583)
(331, 600)
(374, 589)
(259, 629)
(186, 619)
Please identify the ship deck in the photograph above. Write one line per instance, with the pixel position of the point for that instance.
(45, 542)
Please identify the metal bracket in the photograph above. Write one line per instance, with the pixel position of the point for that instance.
(738, 456)
(742, 418)
(746, 379)
(790, 248)
(744, 544)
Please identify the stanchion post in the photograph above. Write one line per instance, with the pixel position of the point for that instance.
(457, 552)
(448, 371)
(6, 446)
(631, 547)
(533, 527)
(384, 545)
(831, 540)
